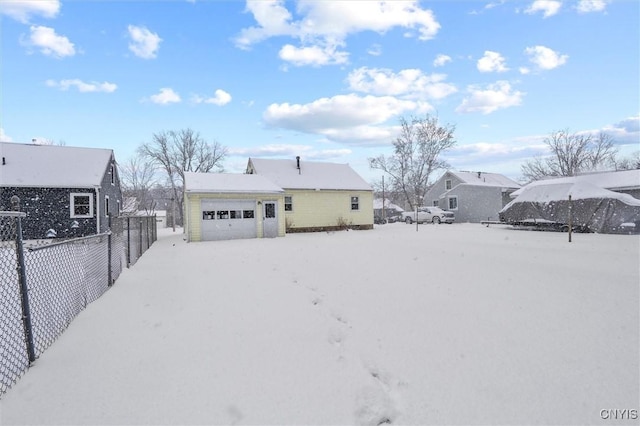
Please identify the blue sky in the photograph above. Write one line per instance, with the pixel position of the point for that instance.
(326, 80)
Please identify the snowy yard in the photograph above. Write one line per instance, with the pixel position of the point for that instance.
(454, 324)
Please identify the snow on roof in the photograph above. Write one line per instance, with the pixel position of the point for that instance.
(229, 183)
(486, 179)
(577, 190)
(620, 180)
(312, 175)
(52, 166)
(377, 204)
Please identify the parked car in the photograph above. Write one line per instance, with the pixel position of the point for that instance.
(429, 214)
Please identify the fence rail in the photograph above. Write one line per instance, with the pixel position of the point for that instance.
(44, 285)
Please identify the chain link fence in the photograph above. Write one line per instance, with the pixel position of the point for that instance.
(44, 285)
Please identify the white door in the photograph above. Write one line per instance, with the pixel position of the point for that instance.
(270, 219)
(228, 219)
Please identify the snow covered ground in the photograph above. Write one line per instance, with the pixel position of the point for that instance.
(453, 324)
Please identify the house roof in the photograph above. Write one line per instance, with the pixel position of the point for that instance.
(52, 166)
(312, 174)
(377, 204)
(555, 191)
(229, 183)
(614, 181)
(485, 179)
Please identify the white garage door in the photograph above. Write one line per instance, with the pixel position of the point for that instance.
(228, 219)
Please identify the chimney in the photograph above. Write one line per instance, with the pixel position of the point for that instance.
(298, 164)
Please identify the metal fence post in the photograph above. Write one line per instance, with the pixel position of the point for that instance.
(24, 290)
(128, 242)
(109, 241)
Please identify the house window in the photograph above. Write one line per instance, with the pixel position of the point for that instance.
(113, 175)
(355, 203)
(435, 203)
(81, 205)
(453, 203)
(106, 205)
(288, 203)
(447, 184)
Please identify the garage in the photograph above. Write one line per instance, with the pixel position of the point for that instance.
(228, 219)
(228, 206)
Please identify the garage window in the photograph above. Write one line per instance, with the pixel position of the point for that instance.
(223, 214)
(235, 214)
(248, 214)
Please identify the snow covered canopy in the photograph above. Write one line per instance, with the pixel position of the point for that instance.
(593, 207)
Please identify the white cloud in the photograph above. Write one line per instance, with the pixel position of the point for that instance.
(312, 55)
(349, 119)
(49, 43)
(409, 83)
(441, 60)
(82, 86)
(545, 58)
(492, 62)
(4, 137)
(220, 98)
(375, 50)
(144, 43)
(547, 7)
(324, 25)
(625, 132)
(588, 6)
(165, 97)
(487, 100)
(23, 10)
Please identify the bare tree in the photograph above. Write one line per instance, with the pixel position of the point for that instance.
(571, 154)
(629, 163)
(416, 156)
(138, 178)
(176, 152)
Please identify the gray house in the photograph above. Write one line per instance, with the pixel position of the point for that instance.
(65, 191)
(472, 196)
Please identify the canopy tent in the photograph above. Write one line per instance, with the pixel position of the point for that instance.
(592, 207)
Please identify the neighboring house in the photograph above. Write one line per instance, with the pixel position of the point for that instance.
(389, 210)
(623, 181)
(318, 196)
(65, 191)
(225, 206)
(472, 196)
(606, 202)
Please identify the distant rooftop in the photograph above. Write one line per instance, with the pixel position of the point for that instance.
(614, 181)
(52, 166)
(486, 179)
(311, 175)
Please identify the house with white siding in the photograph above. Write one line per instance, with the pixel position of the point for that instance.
(318, 196)
(472, 196)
